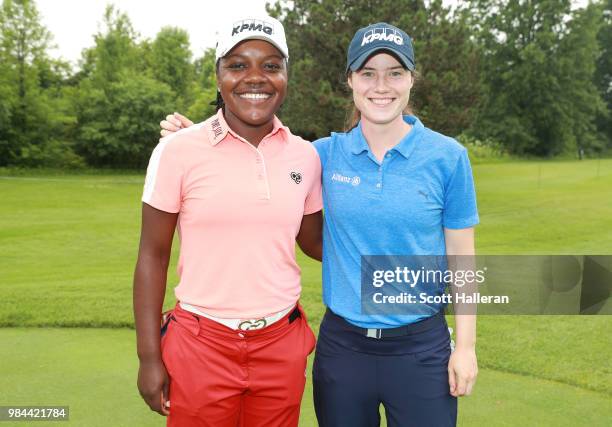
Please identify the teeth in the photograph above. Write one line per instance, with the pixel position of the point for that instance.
(381, 101)
(254, 95)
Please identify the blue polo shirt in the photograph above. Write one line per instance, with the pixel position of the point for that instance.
(399, 206)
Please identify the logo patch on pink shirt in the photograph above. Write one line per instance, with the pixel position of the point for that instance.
(296, 176)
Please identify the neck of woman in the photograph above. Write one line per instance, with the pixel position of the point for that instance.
(381, 137)
(252, 133)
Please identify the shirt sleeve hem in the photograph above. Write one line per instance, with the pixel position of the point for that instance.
(318, 207)
(456, 224)
(161, 206)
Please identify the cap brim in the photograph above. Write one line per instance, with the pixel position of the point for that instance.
(363, 58)
(264, 38)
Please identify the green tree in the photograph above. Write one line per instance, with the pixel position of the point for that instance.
(603, 73)
(171, 62)
(204, 87)
(34, 115)
(118, 104)
(115, 50)
(120, 123)
(23, 45)
(319, 34)
(448, 94)
(579, 52)
(8, 98)
(538, 67)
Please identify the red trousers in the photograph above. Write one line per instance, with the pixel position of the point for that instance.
(221, 377)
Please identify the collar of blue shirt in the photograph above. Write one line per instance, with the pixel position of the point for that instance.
(404, 147)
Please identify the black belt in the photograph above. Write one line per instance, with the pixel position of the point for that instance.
(400, 331)
(294, 314)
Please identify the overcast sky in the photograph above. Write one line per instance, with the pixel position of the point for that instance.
(74, 22)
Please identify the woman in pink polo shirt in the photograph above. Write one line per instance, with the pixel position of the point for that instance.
(241, 190)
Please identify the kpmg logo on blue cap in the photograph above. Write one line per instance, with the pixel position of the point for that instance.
(382, 34)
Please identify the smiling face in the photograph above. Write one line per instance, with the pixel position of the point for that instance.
(381, 89)
(252, 79)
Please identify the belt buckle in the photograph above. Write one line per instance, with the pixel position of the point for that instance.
(374, 333)
(252, 324)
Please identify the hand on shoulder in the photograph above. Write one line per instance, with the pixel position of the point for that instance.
(173, 123)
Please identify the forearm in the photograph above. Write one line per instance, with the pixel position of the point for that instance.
(461, 258)
(465, 312)
(465, 331)
(149, 290)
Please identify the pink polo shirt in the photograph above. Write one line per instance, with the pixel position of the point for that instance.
(240, 209)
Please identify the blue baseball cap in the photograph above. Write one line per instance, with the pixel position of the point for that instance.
(379, 37)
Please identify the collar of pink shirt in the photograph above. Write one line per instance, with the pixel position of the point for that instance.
(218, 129)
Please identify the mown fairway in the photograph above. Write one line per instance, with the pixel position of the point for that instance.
(68, 246)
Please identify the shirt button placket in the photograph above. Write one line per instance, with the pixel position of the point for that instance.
(262, 188)
(380, 175)
(379, 184)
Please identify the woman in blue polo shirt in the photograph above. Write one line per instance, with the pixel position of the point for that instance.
(391, 187)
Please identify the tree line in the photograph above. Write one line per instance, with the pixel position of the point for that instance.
(532, 77)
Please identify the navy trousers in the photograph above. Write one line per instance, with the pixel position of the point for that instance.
(354, 374)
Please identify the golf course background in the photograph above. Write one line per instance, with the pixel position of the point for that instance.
(68, 246)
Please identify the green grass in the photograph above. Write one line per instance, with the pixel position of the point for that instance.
(545, 207)
(93, 371)
(68, 245)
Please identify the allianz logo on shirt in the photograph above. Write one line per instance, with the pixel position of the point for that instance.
(354, 180)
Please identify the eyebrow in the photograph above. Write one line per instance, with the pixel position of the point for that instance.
(390, 68)
(238, 55)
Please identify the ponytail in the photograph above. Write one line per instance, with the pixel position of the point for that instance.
(352, 118)
(218, 103)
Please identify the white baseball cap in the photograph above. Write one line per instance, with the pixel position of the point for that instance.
(259, 27)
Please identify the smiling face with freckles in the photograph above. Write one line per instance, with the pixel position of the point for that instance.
(252, 79)
(381, 89)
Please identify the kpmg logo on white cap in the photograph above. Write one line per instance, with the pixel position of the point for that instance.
(382, 34)
(252, 25)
